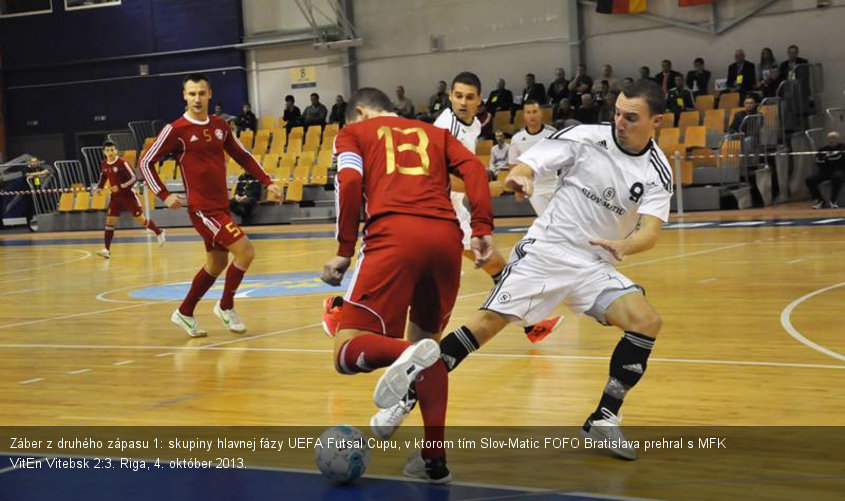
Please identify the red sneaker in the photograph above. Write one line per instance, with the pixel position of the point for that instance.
(331, 314)
(540, 330)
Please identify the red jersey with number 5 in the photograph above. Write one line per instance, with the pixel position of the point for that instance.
(394, 165)
(199, 148)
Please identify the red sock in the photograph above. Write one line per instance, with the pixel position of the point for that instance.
(432, 394)
(152, 225)
(369, 352)
(109, 236)
(203, 281)
(234, 275)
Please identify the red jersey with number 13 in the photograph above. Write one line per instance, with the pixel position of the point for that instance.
(394, 165)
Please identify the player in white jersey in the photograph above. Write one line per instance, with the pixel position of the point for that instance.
(613, 196)
(522, 141)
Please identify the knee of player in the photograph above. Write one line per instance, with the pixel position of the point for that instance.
(247, 254)
(647, 322)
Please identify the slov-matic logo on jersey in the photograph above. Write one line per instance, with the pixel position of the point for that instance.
(606, 202)
(504, 297)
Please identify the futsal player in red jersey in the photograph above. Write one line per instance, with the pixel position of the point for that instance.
(121, 177)
(198, 141)
(397, 171)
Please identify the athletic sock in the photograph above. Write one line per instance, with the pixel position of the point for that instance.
(456, 346)
(627, 366)
(203, 281)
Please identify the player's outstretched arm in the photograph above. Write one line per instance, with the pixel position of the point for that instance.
(465, 165)
(520, 180)
(165, 143)
(244, 158)
(641, 240)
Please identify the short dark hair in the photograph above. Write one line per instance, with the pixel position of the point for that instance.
(793, 46)
(289, 98)
(467, 78)
(196, 78)
(314, 94)
(367, 97)
(698, 60)
(529, 102)
(530, 75)
(109, 142)
(648, 90)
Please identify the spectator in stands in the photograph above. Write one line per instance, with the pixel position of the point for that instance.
(563, 112)
(404, 106)
(291, 115)
(533, 91)
(831, 163)
(486, 119)
(769, 86)
(600, 93)
(247, 193)
(233, 126)
(498, 156)
(645, 74)
(787, 68)
(750, 104)
(581, 81)
(741, 75)
(575, 96)
(338, 114)
(607, 74)
(679, 99)
(218, 110)
(626, 81)
(607, 112)
(698, 79)
(666, 78)
(35, 171)
(559, 88)
(316, 113)
(437, 102)
(247, 120)
(500, 99)
(767, 62)
(588, 112)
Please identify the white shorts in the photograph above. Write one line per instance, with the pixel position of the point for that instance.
(464, 216)
(537, 280)
(541, 199)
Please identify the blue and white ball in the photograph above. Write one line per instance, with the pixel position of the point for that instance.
(342, 453)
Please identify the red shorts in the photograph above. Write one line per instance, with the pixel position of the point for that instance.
(125, 201)
(216, 228)
(406, 262)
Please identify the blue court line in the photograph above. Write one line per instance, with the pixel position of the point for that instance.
(696, 225)
(243, 484)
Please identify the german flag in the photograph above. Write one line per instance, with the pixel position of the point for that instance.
(621, 6)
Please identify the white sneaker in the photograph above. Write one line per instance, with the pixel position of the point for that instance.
(393, 384)
(160, 238)
(104, 253)
(833, 205)
(385, 422)
(607, 429)
(434, 471)
(230, 319)
(187, 324)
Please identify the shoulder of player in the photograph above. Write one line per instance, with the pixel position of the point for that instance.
(583, 131)
(660, 169)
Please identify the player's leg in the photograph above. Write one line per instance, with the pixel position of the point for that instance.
(812, 183)
(836, 179)
(108, 234)
(243, 254)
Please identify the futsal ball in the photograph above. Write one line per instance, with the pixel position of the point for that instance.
(342, 453)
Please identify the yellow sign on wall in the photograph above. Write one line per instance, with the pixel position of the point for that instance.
(303, 77)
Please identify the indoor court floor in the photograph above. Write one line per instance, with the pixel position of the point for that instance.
(752, 304)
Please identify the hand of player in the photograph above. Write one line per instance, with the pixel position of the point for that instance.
(615, 247)
(334, 269)
(522, 186)
(175, 201)
(276, 191)
(483, 249)
(114, 189)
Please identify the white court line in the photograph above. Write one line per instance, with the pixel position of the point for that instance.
(79, 371)
(826, 221)
(86, 256)
(75, 315)
(124, 362)
(322, 351)
(796, 260)
(678, 256)
(20, 290)
(34, 380)
(786, 322)
(707, 281)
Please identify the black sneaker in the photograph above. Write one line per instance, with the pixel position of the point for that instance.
(432, 470)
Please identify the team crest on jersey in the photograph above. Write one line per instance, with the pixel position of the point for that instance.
(114, 169)
(219, 134)
(504, 297)
(609, 193)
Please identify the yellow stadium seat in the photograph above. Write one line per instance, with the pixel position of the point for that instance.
(280, 123)
(99, 200)
(301, 174)
(311, 144)
(131, 157)
(695, 137)
(733, 113)
(500, 178)
(277, 144)
(270, 161)
(268, 122)
(548, 114)
(288, 160)
(283, 175)
(66, 202)
(688, 119)
(295, 145)
(247, 138)
(306, 158)
(324, 158)
(297, 131)
(686, 165)
(703, 157)
(705, 102)
(483, 147)
(668, 121)
(294, 192)
(320, 175)
(502, 122)
(518, 120)
(729, 100)
(714, 120)
(82, 200)
(669, 135)
(331, 130)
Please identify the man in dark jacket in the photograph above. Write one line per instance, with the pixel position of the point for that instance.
(742, 76)
(247, 193)
(831, 163)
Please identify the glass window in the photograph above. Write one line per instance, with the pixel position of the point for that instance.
(11, 8)
(88, 4)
